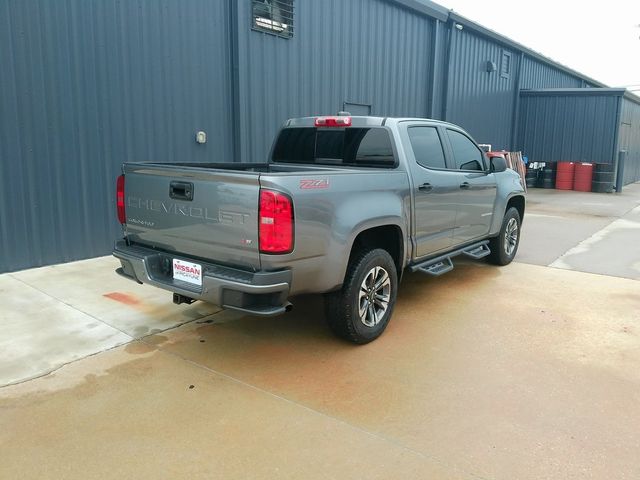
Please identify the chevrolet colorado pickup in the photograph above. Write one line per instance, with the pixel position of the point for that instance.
(343, 206)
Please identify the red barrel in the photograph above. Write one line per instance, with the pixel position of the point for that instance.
(564, 175)
(582, 177)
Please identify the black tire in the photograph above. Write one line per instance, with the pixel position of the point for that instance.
(342, 308)
(503, 247)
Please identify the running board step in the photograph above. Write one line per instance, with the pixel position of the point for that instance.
(478, 252)
(443, 264)
(438, 268)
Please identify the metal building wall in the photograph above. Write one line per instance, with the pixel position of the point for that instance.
(87, 85)
(536, 74)
(629, 139)
(371, 52)
(568, 126)
(482, 102)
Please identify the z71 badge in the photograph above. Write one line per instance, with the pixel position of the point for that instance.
(309, 184)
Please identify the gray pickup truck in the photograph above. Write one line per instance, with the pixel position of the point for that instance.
(343, 207)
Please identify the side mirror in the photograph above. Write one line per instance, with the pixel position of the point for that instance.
(498, 164)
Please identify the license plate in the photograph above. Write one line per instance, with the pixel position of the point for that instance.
(187, 272)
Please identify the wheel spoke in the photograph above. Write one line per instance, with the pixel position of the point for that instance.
(373, 320)
(364, 308)
(382, 303)
(372, 277)
(382, 280)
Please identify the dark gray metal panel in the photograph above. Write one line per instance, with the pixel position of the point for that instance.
(568, 128)
(499, 39)
(481, 101)
(536, 74)
(441, 37)
(629, 139)
(87, 86)
(370, 52)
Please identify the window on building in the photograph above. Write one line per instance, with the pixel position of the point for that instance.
(427, 147)
(465, 153)
(273, 16)
(362, 147)
(505, 65)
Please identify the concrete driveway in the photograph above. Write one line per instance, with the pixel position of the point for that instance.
(527, 371)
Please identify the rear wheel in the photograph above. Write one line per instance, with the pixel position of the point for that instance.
(361, 309)
(505, 245)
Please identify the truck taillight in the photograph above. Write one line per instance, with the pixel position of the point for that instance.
(333, 122)
(275, 222)
(122, 217)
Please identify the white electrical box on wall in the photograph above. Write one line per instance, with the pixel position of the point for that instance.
(201, 137)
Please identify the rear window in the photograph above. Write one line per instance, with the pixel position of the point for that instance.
(362, 147)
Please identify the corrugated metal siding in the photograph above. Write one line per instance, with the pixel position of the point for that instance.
(481, 102)
(362, 51)
(629, 140)
(86, 86)
(568, 128)
(536, 74)
(439, 62)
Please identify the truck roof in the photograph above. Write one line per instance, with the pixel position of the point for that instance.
(359, 121)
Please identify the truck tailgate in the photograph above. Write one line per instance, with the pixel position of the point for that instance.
(194, 211)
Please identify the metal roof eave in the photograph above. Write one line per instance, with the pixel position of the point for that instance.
(443, 14)
(555, 92)
(632, 97)
(486, 32)
(429, 8)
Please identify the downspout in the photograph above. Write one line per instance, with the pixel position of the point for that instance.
(516, 103)
(435, 49)
(448, 69)
(234, 32)
(616, 138)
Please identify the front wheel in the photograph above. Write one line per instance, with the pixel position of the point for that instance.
(361, 309)
(505, 245)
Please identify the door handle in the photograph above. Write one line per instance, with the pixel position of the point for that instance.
(465, 185)
(425, 187)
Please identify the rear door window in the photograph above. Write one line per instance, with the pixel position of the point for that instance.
(427, 147)
(364, 147)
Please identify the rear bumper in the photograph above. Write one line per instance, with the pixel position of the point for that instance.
(257, 293)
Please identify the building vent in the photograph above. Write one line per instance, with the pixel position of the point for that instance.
(505, 65)
(273, 16)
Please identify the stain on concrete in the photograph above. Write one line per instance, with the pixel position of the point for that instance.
(161, 417)
(139, 348)
(124, 298)
(155, 339)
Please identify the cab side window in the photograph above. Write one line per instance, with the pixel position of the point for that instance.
(465, 153)
(427, 147)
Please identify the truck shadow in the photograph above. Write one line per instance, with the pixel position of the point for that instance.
(306, 323)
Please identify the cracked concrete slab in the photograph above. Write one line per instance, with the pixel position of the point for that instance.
(557, 222)
(39, 334)
(93, 287)
(612, 250)
(57, 314)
